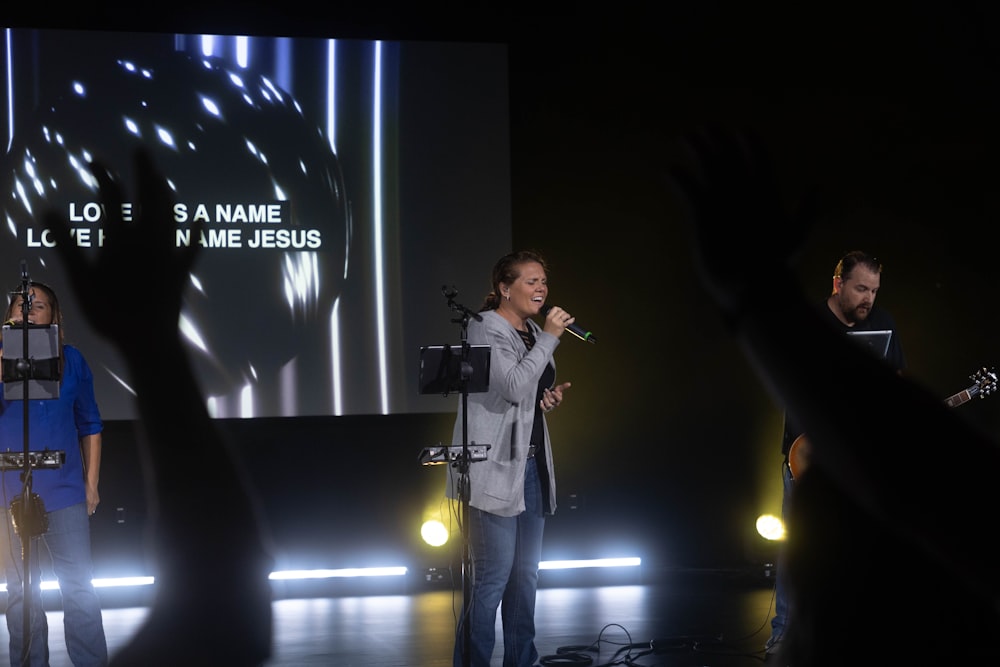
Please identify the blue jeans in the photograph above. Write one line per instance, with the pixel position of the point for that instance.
(505, 556)
(68, 542)
(780, 621)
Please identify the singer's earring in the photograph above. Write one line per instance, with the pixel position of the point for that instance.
(507, 296)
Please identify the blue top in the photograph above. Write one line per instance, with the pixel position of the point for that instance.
(54, 424)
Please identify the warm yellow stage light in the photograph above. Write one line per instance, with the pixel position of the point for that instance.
(434, 533)
(770, 527)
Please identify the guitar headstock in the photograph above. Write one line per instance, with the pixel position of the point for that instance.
(985, 382)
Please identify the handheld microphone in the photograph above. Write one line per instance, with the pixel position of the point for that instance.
(574, 328)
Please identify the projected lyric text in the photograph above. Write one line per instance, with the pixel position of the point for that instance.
(253, 225)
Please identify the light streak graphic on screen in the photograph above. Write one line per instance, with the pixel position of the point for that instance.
(246, 402)
(242, 51)
(377, 222)
(331, 93)
(191, 333)
(124, 384)
(289, 393)
(283, 62)
(338, 403)
(331, 131)
(10, 88)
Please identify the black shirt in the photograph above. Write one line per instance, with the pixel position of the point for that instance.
(877, 320)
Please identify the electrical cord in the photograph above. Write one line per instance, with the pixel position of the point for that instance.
(568, 655)
(577, 655)
(629, 653)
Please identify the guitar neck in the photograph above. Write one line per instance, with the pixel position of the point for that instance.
(961, 397)
(986, 384)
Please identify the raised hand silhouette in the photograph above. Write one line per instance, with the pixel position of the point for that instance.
(885, 528)
(743, 225)
(211, 552)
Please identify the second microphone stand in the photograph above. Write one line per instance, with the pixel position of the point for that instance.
(27, 511)
(463, 462)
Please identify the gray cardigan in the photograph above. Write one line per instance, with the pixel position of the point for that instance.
(502, 417)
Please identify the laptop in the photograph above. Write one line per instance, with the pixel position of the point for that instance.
(876, 342)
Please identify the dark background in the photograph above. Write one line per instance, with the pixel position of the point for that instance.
(667, 443)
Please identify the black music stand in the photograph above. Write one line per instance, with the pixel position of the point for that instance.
(34, 375)
(445, 369)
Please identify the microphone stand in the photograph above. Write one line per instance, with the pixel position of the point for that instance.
(22, 522)
(27, 512)
(463, 468)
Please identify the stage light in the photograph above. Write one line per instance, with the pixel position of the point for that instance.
(434, 533)
(593, 562)
(350, 572)
(361, 573)
(770, 527)
(114, 582)
(105, 582)
(281, 575)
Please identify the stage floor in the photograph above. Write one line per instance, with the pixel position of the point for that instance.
(705, 618)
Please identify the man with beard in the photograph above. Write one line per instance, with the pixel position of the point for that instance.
(849, 308)
(899, 560)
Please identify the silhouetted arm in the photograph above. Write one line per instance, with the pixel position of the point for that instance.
(211, 553)
(744, 241)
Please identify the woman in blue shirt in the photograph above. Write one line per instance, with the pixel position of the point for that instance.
(70, 424)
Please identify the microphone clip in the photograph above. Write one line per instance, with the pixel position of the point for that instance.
(450, 294)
